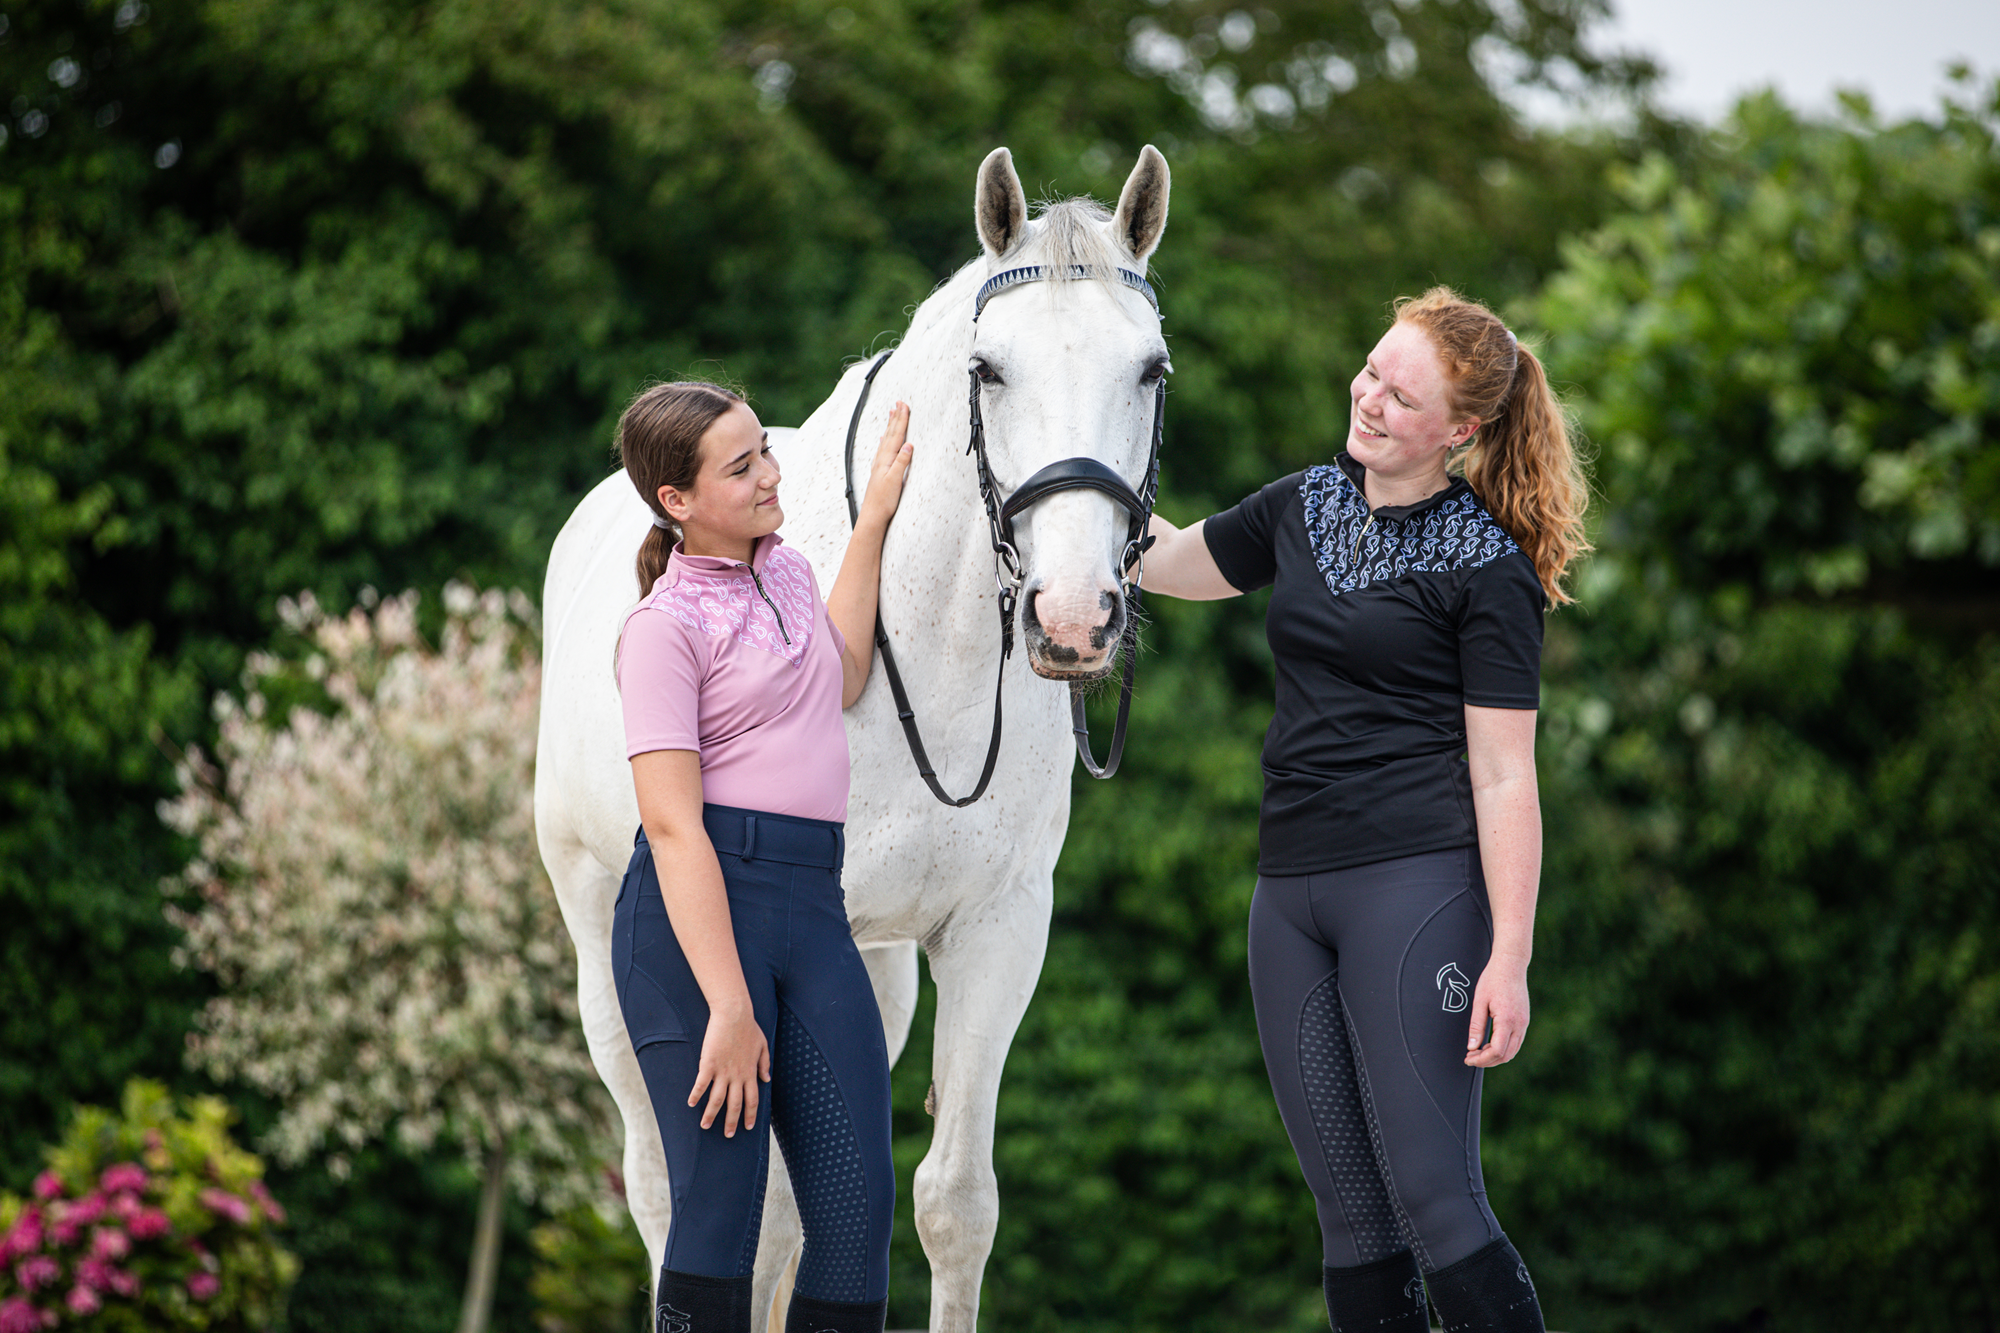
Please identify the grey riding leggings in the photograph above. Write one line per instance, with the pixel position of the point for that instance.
(1363, 982)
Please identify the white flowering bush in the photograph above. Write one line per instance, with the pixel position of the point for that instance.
(368, 895)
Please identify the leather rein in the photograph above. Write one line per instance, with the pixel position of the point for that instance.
(1067, 474)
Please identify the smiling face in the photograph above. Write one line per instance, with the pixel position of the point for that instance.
(733, 499)
(1402, 422)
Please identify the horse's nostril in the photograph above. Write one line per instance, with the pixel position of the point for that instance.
(1103, 636)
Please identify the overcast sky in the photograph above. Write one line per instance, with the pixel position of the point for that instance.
(1895, 50)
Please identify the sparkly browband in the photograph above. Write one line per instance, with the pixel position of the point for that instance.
(1014, 277)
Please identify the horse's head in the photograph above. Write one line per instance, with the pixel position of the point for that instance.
(1068, 368)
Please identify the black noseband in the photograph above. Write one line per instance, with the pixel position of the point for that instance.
(1073, 474)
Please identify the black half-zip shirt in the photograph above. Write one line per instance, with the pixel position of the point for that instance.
(1384, 625)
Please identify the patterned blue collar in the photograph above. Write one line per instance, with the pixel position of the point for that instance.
(1355, 547)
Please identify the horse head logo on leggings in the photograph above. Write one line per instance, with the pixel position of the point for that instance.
(1456, 987)
(670, 1320)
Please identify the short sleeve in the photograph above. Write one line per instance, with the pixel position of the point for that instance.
(1243, 540)
(1500, 635)
(659, 684)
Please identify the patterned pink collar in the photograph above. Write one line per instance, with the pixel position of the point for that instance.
(714, 566)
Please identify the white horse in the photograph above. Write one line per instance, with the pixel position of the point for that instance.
(1068, 368)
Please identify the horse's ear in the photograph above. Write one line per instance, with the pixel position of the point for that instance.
(1142, 205)
(999, 204)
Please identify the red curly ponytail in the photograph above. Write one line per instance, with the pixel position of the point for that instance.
(1520, 463)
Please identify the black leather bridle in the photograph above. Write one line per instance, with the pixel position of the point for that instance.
(1067, 474)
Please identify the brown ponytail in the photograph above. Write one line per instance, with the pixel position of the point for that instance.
(1520, 462)
(659, 441)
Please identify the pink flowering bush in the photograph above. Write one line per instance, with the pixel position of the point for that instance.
(368, 894)
(149, 1219)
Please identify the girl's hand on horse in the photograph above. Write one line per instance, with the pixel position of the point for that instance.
(892, 465)
(735, 1058)
(1501, 997)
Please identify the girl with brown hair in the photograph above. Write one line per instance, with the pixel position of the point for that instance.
(730, 948)
(1400, 835)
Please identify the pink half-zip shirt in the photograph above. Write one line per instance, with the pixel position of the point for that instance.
(740, 664)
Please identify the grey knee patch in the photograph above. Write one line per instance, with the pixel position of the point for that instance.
(1406, 1227)
(1335, 1093)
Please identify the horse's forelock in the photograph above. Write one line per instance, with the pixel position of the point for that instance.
(1066, 234)
(1069, 234)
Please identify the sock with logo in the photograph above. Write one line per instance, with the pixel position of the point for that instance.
(1386, 1296)
(691, 1303)
(810, 1315)
(1488, 1291)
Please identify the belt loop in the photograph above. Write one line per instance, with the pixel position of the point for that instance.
(749, 837)
(839, 848)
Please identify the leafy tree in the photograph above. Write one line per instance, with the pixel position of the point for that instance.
(1764, 1079)
(370, 899)
(1791, 348)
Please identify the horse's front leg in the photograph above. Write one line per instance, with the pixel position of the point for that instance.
(985, 970)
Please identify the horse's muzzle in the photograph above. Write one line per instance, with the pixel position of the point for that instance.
(1072, 637)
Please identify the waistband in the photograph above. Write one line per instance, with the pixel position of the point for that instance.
(759, 835)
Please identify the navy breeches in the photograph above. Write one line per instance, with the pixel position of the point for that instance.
(1363, 982)
(828, 1098)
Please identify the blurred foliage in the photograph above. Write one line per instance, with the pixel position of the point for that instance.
(147, 1218)
(591, 1273)
(1792, 347)
(1765, 1078)
(389, 954)
(304, 296)
(385, 1248)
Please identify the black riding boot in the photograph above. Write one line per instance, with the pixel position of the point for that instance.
(691, 1303)
(808, 1315)
(1488, 1291)
(1386, 1296)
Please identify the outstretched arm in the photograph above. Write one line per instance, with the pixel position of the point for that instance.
(1180, 564)
(1507, 806)
(851, 605)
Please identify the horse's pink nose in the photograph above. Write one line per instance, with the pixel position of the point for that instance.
(1077, 626)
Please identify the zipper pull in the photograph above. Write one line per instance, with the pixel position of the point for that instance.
(774, 607)
(1355, 554)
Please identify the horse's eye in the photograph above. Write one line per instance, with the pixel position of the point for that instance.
(1154, 373)
(987, 374)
